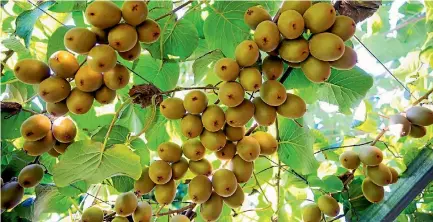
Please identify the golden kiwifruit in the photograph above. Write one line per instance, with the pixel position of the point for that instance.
(247, 53)
(105, 95)
(316, 70)
(226, 69)
(350, 160)
(213, 141)
(103, 14)
(311, 213)
(79, 40)
(122, 37)
(272, 67)
(160, 172)
(61, 147)
(120, 219)
(371, 155)
(172, 108)
(191, 125)
(212, 208)
(101, 35)
(227, 152)
(79, 102)
(240, 115)
(380, 174)
(224, 182)
(417, 131)
(267, 36)
(264, 114)
(35, 127)
(200, 189)
(347, 61)
(371, 191)
(180, 218)
(144, 184)
(237, 199)
(195, 102)
(38, 147)
(399, 126)
(193, 149)
(31, 175)
(64, 130)
(344, 27)
(291, 24)
(250, 79)
(116, 78)
(328, 205)
(54, 89)
(200, 167)
(88, 80)
(169, 152)
(241, 168)
(326, 46)
(294, 51)
(133, 53)
(234, 133)
(294, 107)
(134, 12)
(11, 194)
(268, 143)
(394, 175)
(52, 152)
(31, 71)
(92, 214)
(420, 116)
(125, 204)
(64, 64)
(213, 118)
(255, 15)
(148, 31)
(231, 94)
(319, 17)
(248, 148)
(102, 58)
(299, 6)
(273, 93)
(143, 212)
(57, 109)
(179, 168)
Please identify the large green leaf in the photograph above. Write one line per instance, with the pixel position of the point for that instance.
(50, 200)
(68, 6)
(86, 160)
(10, 126)
(194, 15)
(118, 135)
(55, 42)
(204, 65)
(157, 132)
(15, 44)
(141, 149)
(163, 74)
(123, 183)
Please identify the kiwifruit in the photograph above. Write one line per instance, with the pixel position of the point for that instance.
(350, 160)
(79, 102)
(116, 78)
(264, 114)
(241, 168)
(267, 36)
(273, 93)
(247, 53)
(105, 95)
(226, 69)
(293, 65)
(92, 214)
(371, 155)
(237, 199)
(101, 35)
(344, 27)
(371, 191)
(311, 213)
(180, 218)
(240, 115)
(191, 125)
(35, 127)
(79, 40)
(103, 14)
(420, 116)
(61, 147)
(144, 184)
(380, 174)
(227, 152)
(160, 172)
(299, 6)
(255, 15)
(54, 89)
(179, 168)
(248, 148)
(394, 175)
(417, 131)
(169, 152)
(326, 46)
(165, 193)
(268, 143)
(294, 51)
(316, 70)
(120, 219)
(172, 108)
(199, 189)
(38, 147)
(134, 12)
(102, 58)
(319, 17)
(31, 71)
(31, 175)
(122, 37)
(200, 167)
(212, 208)
(148, 31)
(291, 24)
(294, 107)
(88, 80)
(224, 182)
(399, 126)
(64, 64)
(52, 152)
(250, 79)
(125, 204)
(272, 67)
(143, 212)
(347, 61)
(213, 118)
(328, 205)
(234, 133)
(213, 141)
(11, 194)
(57, 109)
(195, 102)
(193, 149)
(133, 53)
(231, 94)
(64, 130)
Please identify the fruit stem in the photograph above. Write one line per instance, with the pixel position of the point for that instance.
(425, 96)
(260, 187)
(174, 10)
(251, 129)
(115, 117)
(187, 88)
(379, 136)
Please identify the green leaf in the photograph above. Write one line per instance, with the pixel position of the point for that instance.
(68, 6)
(157, 132)
(55, 42)
(163, 74)
(74, 189)
(426, 56)
(78, 18)
(86, 160)
(15, 44)
(194, 15)
(118, 135)
(50, 200)
(123, 183)
(205, 64)
(10, 127)
(332, 184)
(141, 149)
(7, 24)
(90, 120)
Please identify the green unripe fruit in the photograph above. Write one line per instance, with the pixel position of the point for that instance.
(272, 67)
(371, 156)
(328, 205)
(31, 71)
(267, 36)
(350, 160)
(234, 133)
(291, 24)
(273, 93)
(148, 31)
(347, 61)
(201, 167)
(250, 79)
(79, 40)
(200, 189)
(240, 115)
(92, 214)
(417, 131)
(193, 149)
(319, 17)
(247, 53)
(172, 108)
(326, 46)
(126, 203)
(299, 6)
(179, 169)
(380, 174)
(371, 191)
(294, 51)
(227, 152)
(255, 15)
(420, 116)
(212, 208)
(31, 175)
(35, 127)
(394, 174)
(344, 27)
(237, 199)
(213, 118)
(191, 126)
(143, 213)
(195, 102)
(241, 168)
(311, 213)
(160, 172)
(268, 143)
(294, 107)
(226, 69)
(231, 94)
(399, 126)
(144, 184)
(224, 182)
(165, 193)
(316, 70)
(213, 141)
(103, 14)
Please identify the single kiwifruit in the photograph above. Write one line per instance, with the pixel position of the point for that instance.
(240, 115)
(193, 149)
(311, 213)
(255, 15)
(52, 152)
(316, 70)
(54, 89)
(326, 46)
(212, 208)
(248, 148)
(268, 143)
(420, 116)
(102, 58)
(79, 40)
(148, 31)
(92, 214)
(180, 218)
(319, 17)
(224, 182)
(344, 27)
(38, 147)
(399, 126)
(237, 199)
(264, 114)
(61, 147)
(241, 168)
(231, 94)
(371, 191)
(273, 93)
(371, 156)
(105, 95)
(234, 133)
(116, 78)
(247, 53)
(144, 184)
(133, 53)
(299, 6)
(294, 51)
(213, 118)
(328, 205)
(64, 64)
(31, 175)
(57, 109)
(350, 160)
(191, 125)
(125, 204)
(394, 174)
(134, 12)
(200, 167)
(31, 71)
(200, 189)
(347, 61)
(160, 172)
(103, 14)
(35, 127)
(11, 195)
(122, 37)
(179, 168)
(88, 80)
(227, 152)
(195, 102)
(417, 131)
(64, 130)
(169, 152)
(226, 69)
(79, 102)
(213, 141)
(291, 24)
(272, 67)
(250, 79)
(172, 108)
(294, 107)
(380, 174)
(267, 36)
(143, 212)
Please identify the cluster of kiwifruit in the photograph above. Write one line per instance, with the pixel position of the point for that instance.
(326, 205)
(411, 124)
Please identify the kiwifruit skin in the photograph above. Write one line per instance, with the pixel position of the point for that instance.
(213, 118)
(227, 69)
(134, 12)
(371, 155)
(143, 212)
(120, 219)
(200, 189)
(54, 89)
(224, 182)
(248, 148)
(35, 127)
(231, 94)
(294, 107)
(92, 214)
(294, 51)
(328, 205)
(311, 213)
(38, 147)
(11, 195)
(227, 152)
(102, 58)
(144, 184)
(165, 193)
(88, 80)
(255, 15)
(380, 174)
(237, 199)
(299, 6)
(64, 130)
(125, 204)
(213, 141)
(212, 208)
(179, 168)
(148, 31)
(417, 131)
(319, 17)
(52, 152)
(264, 114)
(371, 191)
(172, 108)
(247, 53)
(273, 93)
(79, 40)
(191, 126)
(79, 99)
(272, 67)
(326, 46)
(57, 109)
(350, 160)
(316, 70)
(122, 37)
(31, 71)
(64, 64)
(105, 95)
(241, 168)
(160, 172)
(234, 133)
(193, 149)
(180, 218)
(116, 78)
(133, 53)
(101, 34)
(268, 143)
(61, 147)
(267, 36)
(200, 167)
(344, 27)
(169, 152)
(195, 102)
(419, 115)
(394, 174)
(103, 14)
(347, 61)
(31, 175)
(250, 79)
(291, 24)
(240, 115)
(399, 125)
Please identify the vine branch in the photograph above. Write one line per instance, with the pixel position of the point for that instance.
(286, 74)
(8, 54)
(425, 96)
(339, 147)
(187, 88)
(191, 206)
(174, 10)
(251, 129)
